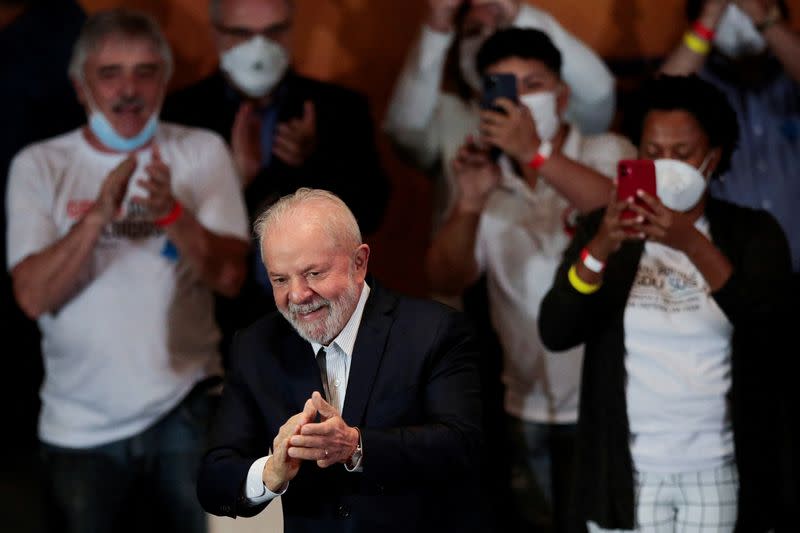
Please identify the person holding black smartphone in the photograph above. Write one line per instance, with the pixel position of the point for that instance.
(511, 223)
(683, 311)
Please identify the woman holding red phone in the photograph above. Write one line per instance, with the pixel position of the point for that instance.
(680, 308)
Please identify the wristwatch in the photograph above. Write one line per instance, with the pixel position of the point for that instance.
(358, 455)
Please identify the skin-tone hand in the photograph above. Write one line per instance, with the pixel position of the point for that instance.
(514, 131)
(442, 13)
(246, 142)
(757, 10)
(112, 192)
(159, 202)
(661, 224)
(712, 12)
(327, 442)
(614, 229)
(477, 176)
(281, 467)
(296, 139)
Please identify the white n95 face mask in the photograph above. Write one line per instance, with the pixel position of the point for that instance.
(680, 185)
(255, 66)
(542, 106)
(736, 35)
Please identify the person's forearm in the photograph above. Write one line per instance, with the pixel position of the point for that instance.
(45, 281)
(412, 107)
(683, 60)
(785, 44)
(709, 260)
(583, 187)
(450, 261)
(218, 261)
(592, 85)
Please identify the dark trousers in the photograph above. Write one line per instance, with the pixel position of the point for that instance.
(542, 474)
(142, 483)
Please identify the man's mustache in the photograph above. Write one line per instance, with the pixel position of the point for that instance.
(296, 309)
(132, 103)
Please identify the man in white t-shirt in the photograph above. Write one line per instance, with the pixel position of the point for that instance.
(432, 109)
(511, 221)
(118, 233)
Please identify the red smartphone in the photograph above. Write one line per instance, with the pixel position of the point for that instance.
(634, 175)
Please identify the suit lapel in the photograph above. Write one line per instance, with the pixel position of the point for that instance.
(368, 352)
(301, 370)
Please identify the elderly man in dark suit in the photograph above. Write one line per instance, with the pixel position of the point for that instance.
(361, 407)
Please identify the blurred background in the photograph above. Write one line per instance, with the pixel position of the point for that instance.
(360, 44)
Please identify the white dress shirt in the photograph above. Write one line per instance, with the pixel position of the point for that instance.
(339, 355)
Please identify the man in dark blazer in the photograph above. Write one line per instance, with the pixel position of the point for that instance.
(286, 131)
(403, 454)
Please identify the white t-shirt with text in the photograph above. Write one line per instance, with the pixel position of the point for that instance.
(678, 350)
(139, 330)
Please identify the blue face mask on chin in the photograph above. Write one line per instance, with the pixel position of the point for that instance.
(108, 136)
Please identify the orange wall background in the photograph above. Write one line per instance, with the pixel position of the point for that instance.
(362, 44)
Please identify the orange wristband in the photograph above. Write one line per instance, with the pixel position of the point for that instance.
(171, 217)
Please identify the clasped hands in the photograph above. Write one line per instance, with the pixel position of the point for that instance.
(653, 221)
(327, 442)
(294, 141)
(159, 200)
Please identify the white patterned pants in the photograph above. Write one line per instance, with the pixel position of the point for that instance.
(691, 502)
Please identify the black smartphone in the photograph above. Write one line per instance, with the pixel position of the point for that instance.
(498, 86)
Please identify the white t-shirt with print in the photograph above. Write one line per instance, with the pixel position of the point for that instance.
(140, 330)
(678, 349)
(522, 234)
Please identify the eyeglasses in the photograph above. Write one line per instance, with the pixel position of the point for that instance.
(241, 34)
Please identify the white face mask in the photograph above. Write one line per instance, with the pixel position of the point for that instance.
(542, 106)
(255, 66)
(736, 35)
(468, 51)
(680, 185)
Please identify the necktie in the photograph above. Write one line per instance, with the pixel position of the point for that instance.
(323, 372)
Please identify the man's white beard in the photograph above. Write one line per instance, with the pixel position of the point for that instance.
(325, 330)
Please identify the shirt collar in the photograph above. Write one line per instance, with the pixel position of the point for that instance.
(346, 340)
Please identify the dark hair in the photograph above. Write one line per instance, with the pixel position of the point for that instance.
(694, 7)
(707, 104)
(524, 43)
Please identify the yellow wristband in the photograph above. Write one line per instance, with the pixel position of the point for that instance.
(578, 284)
(696, 44)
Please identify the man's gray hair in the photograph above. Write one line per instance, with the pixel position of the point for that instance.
(215, 9)
(339, 222)
(126, 23)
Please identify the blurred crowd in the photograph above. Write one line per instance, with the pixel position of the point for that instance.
(633, 291)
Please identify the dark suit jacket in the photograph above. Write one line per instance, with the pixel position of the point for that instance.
(345, 162)
(413, 392)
